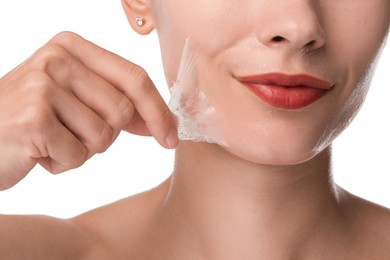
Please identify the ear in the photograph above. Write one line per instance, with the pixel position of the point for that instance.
(141, 9)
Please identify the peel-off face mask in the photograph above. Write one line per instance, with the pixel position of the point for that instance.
(197, 118)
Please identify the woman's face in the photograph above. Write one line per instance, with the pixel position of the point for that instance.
(336, 41)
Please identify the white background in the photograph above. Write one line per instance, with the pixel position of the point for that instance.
(134, 164)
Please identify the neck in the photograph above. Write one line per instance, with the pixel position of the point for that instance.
(227, 208)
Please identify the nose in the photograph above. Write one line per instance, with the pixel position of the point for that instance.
(297, 27)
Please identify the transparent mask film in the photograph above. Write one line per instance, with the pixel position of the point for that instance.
(197, 118)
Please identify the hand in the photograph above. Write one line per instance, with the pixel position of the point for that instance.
(69, 101)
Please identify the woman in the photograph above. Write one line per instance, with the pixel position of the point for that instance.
(293, 74)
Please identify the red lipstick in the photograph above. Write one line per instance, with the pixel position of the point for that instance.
(286, 91)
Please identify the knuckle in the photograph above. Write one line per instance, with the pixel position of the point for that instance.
(103, 138)
(77, 159)
(56, 169)
(72, 161)
(36, 112)
(37, 91)
(37, 119)
(162, 115)
(140, 75)
(50, 55)
(165, 114)
(65, 38)
(139, 72)
(37, 84)
(123, 113)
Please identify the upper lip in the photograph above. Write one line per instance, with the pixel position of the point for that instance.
(285, 80)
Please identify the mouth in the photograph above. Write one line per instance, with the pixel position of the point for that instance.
(286, 91)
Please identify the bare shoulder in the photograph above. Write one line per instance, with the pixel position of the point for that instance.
(369, 226)
(120, 229)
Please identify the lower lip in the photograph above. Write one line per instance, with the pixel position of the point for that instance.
(286, 97)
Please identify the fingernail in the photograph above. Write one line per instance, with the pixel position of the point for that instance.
(171, 139)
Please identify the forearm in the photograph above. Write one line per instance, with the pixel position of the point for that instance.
(41, 237)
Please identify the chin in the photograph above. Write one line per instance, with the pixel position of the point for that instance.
(276, 153)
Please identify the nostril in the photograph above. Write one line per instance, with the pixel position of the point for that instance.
(278, 39)
(311, 43)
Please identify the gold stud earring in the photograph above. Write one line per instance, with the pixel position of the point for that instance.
(140, 22)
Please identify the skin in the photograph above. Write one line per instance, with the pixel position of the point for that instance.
(65, 124)
(265, 196)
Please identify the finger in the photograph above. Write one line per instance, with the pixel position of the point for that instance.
(50, 139)
(64, 150)
(95, 92)
(92, 131)
(130, 79)
(105, 100)
(137, 126)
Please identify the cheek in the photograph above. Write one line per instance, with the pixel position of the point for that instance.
(354, 37)
(270, 136)
(356, 45)
(210, 26)
(251, 129)
(259, 133)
